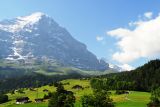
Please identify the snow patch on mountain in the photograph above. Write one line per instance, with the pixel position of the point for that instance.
(21, 22)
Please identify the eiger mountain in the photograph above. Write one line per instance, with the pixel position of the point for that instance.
(39, 37)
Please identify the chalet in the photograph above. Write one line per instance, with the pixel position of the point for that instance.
(45, 90)
(39, 100)
(22, 100)
(126, 92)
(77, 87)
(32, 89)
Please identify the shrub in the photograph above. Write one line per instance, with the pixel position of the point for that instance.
(155, 98)
(98, 99)
(3, 98)
(62, 98)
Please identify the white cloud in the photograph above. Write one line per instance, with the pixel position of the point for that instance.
(99, 38)
(148, 15)
(126, 67)
(135, 23)
(142, 41)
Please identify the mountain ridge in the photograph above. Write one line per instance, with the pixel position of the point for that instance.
(38, 37)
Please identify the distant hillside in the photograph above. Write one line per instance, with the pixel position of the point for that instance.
(27, 75)
(15, 70)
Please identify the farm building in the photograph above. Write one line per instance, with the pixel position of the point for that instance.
(77, 87)
(22, 100)
(45, 90)
(39, 100)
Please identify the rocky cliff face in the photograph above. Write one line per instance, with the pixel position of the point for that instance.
(38, 36)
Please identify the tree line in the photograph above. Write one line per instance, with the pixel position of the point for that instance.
(28, 81)
(144, 78)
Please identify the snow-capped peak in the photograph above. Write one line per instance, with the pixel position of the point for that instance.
(124, 67)
(115, 67)
(23, 21)
(31, 18)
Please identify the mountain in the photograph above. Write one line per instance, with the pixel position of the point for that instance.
(38, 37)
(116, 68)
(121, 68)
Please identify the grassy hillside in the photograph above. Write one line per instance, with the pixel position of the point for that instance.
(134, 99)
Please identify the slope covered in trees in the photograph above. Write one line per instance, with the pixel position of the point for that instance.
(144, 78)
(31, 81)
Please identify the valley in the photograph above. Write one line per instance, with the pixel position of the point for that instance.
(123, 89)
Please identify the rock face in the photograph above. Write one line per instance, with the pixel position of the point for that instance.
(38, 36)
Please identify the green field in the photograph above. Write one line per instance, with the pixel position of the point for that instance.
(134, 99)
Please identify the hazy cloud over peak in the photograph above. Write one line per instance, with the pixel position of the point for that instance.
(126, 67)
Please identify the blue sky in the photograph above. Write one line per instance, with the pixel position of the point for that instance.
(88, 19)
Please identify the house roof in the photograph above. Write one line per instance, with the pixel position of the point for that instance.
(22, 99)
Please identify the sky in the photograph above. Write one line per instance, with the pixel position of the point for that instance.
(124, 32)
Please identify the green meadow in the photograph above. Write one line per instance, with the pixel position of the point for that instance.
(133, 99)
